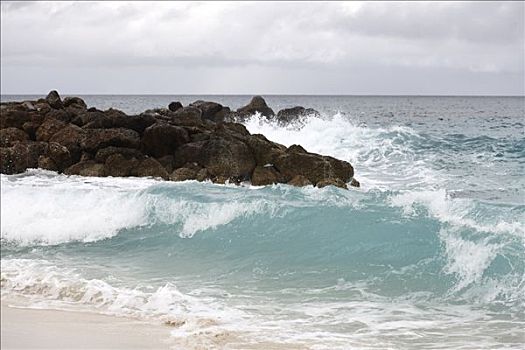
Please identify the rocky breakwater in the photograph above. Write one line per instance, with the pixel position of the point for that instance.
(196, 142)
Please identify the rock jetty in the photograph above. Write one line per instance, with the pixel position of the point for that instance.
(196, 142)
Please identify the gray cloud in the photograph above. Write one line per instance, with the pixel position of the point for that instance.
(255, 47)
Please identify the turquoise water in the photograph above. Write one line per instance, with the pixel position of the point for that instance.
(429, 253)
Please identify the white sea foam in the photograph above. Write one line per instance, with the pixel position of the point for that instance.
(55, 209)
(46, 208)
(204, 322)
(460, 212)
(48, 286)
(467, 259)
(383, 158)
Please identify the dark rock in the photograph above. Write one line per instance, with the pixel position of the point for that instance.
(45, 162)
(60, 156)
(208, 109)
(76, 102)
(86, 168)
(355, 183)
(298, 113)
(199, 137)
(157, 112)
(13, 118)
(100, 123)
(202, 175)
(150, 167)
(29, 106)
(49, 127)
(264, 151)
(265, 175)
(114, 113)
(313, 166)
(134, 122)
(8, 136)
(70, 137)
(96, 139)
(42, 107)
(332, 182)
(230, 158)
(223, 115)
(296, 149)
(174, 106)
(188, 116)
(85, 157)
(235, 128)
(13, 159)
(119, 165)
(162, 139)
(86, 117)
(53, 98)
(168, 162)
(257, 104)
(21, 156)
(30, 128)
(60, 114)
(126, 153)
(183, 174)
(299, 181)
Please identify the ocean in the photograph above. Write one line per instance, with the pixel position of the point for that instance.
(428, 254)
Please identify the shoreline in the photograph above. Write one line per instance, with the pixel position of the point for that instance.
(25, 328)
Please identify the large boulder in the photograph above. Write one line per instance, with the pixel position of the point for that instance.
(174, 106)
(295, 161)
(183, 174)
(59, 155)
(88, 116)
(332, 182)
(257, 104)
(187, 116)
(60, 114)
(75, 101)
(30, 129)
(48, 128)
(266, 175)
(45, 162)
(13, 118)
(264, 151)
(162, 139)
(208, 109)
(70, 137)
(228, 158)
(86, 168)
(53, 98)
(127, 153)
(294, 114)
(21, 156)
(9, 136)
(134, 122)
(119, 165)
(299, 181)
(95, 139)
(150, 167)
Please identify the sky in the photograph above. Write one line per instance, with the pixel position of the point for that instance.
(354, 48)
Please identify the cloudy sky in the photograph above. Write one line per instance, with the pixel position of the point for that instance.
(396, 48)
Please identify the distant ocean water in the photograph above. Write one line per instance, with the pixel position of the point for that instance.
(428, 254)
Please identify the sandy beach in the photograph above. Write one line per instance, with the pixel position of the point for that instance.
(51, 329)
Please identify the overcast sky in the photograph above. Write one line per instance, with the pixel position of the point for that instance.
(443, 48)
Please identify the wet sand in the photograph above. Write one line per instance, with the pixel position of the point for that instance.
(50, 329)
